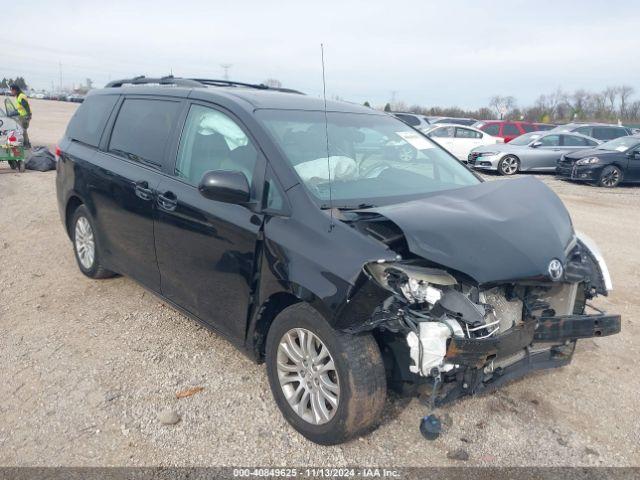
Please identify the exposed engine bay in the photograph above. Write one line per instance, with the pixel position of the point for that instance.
(456, 336)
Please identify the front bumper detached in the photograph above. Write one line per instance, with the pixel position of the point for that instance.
(523, 349)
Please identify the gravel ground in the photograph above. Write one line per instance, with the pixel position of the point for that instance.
(90, 366)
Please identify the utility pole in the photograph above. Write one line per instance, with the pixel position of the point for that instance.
(60, 70)
(226, 67)
(393, 96)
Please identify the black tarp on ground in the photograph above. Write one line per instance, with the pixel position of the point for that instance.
(40, 159)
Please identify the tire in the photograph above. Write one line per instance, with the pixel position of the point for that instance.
(83, 236)
(12, 164)
(610, 177)
(359, 376)
(509, 165)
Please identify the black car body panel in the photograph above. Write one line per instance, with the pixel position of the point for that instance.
(234, 267)
(468, 229)
(627, 162)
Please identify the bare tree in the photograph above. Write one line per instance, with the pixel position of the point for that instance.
(625, 91)
(272, 83)
(502, 105)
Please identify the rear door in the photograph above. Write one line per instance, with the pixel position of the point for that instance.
(571, 143)
(445, 136)
(466, 139)
(206, 248)
(123, 183)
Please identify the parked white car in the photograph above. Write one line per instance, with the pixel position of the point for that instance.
(460, 140)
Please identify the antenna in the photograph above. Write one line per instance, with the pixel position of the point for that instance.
(326, 134)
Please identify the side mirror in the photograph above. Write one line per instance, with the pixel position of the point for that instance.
(536, 144)
(225, 186)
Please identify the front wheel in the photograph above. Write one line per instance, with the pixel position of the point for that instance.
(329, 385)
(610, 177)
(509, 165)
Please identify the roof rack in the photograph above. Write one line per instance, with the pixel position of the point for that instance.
(229, 83)
(142, 80)
(193, 82)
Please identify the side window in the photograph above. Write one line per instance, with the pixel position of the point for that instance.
(273, 196)
(607, 133)
(409, 119)
(442, 132)
(510, 129)
(528, 128)
(574, 141)
(142, 128)
(211, 140)
(550, 141)
(467, 133)
(493, 129)
(583, 130)
(88, 122)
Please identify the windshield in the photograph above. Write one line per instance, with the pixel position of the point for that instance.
(374, 158)
(525, 139)
(621, 144)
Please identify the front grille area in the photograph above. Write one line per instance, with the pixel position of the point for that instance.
(473, 157)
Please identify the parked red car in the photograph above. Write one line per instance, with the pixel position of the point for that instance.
(505, 129)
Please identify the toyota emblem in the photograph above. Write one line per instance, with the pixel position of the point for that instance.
(555, 269)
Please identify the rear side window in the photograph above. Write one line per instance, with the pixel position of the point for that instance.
(550, 141)
(88, 122)
(608, 133)
(583, 130)
(510, 129)
(409, 119)
(493, 129)
(442, 132)
(574, 141)
(142, 129)
(467, 133)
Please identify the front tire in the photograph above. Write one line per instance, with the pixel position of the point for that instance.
(330, 386)
(610, 177)
(85, 245)
(509, 165)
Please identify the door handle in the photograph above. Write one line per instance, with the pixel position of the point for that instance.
(143, 191)
(168, 201)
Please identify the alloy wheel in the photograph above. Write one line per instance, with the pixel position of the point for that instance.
(509, 165)
(611, 178)
(85, 242)
(308, 376)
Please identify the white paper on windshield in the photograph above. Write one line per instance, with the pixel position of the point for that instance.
(416, 140)
(621, 148)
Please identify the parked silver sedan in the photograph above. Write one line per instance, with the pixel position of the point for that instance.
(535, 151)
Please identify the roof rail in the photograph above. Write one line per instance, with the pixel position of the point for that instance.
(229, 83)
(142, 80)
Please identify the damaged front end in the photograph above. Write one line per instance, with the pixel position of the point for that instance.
(456, 337)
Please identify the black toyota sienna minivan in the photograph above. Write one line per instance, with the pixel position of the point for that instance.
(333, 242)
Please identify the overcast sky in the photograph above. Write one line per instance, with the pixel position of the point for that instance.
(430, 52)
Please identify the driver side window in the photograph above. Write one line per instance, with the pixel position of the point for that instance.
(550, 141)
(211, 140)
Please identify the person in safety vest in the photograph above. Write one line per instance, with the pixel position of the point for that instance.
(23, 112)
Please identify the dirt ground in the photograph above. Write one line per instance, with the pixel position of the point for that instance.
(87, 365)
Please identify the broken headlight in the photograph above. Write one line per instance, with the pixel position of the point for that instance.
(415, 284)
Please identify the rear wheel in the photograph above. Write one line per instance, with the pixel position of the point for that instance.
(610, 177)
(13, 165)
(329, 385)
(85, 245)
(509, 165)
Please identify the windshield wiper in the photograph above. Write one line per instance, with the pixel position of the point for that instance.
(360, 206)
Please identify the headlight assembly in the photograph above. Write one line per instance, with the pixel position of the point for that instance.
(487, 154)
(415, 284)
(588, 161)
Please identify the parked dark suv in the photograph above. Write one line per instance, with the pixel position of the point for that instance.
(346, 269)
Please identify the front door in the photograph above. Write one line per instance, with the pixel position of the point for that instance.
(206, 248)
(545, 154)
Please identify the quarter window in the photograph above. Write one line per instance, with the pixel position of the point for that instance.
(211, 140)
(142, 129)
(89, 121)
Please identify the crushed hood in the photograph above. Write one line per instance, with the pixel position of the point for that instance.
(494, 231)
